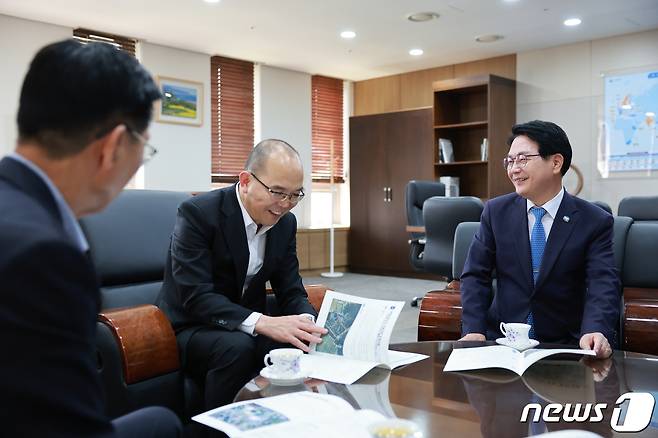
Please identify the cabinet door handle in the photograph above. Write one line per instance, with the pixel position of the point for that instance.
(385, 194)
(390, 194)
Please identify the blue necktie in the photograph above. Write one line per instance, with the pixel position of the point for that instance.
(537, 245)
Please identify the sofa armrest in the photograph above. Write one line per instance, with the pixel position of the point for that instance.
(315, 294)
(440, 314)
(640, 324)
(145, 339)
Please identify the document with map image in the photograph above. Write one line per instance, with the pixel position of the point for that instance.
(287, 415)
(359, 331)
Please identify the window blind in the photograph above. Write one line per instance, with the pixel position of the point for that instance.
(120, 42)
(326, 125)
(232, 116)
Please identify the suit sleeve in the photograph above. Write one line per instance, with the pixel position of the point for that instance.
(291, 296)
(476, 279)
(602, 298)
(48, 314)
(191, 259)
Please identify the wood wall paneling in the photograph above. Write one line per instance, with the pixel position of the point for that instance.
(416, 86)
(377, 95)
(313, 248)
(414, 89)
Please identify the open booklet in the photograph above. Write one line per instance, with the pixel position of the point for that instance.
(287, 415)
(357, 341)
(500, 356)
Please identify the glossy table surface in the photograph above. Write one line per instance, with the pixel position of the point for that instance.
(490, 402)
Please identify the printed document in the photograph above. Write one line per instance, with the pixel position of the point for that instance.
(296, 414)
(500, 356)
(359, 331)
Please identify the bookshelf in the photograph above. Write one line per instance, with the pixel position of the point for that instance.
(465, 111)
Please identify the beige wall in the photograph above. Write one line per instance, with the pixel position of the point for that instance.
(565, 85)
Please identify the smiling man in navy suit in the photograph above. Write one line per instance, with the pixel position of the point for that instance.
(551, 253)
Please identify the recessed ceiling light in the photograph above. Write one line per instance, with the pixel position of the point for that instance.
(419, 17)
(416, 52)
(488, 38)
(572, 21)
(348, 34)
(211, 1)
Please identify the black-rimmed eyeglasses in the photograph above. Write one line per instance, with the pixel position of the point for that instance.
(149, 149)
(520, 160)
(294, 198)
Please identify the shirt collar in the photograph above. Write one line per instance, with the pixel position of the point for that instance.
(248, 221)
(69, 222)
(551, 206)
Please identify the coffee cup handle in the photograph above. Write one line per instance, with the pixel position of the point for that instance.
(502, 328)
(265, 360)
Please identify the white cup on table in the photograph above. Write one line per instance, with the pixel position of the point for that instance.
(516, 332)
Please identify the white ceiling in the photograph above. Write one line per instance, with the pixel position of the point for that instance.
(303, 35)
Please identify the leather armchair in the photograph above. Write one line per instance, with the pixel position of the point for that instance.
(634, 246)
(137, 351)
(640, 208)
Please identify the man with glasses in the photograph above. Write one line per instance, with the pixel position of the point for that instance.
(551, 253)
(83, 118)
(225, 246)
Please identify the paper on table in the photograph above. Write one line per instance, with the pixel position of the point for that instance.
(295, 414)
(500, 356)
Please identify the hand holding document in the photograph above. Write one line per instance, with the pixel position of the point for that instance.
(359, 331)
(304, 414)
(500, 356)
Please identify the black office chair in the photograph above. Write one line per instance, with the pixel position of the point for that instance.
(441, 216)
(417, 193)
(640, 208)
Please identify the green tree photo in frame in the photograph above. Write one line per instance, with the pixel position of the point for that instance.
(182, 102)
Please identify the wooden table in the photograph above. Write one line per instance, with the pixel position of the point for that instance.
(488, 402)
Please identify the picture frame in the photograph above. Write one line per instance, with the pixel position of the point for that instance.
(182, 102)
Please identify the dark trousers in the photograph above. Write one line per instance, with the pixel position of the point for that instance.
(151, 422)
(226, 361)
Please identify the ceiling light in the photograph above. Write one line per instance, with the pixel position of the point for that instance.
(348, 34)
(211, 1)
(416, 52)
(572, 21)
(488, 38)
(419, 17)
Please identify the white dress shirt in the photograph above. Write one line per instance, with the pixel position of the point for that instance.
(551, 208)
(256, 240)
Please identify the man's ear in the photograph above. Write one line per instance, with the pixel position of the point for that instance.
(244, 177)
(109, 147)
(558, 162)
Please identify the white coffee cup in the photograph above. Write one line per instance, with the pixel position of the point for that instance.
(516, 332)
(284, 362)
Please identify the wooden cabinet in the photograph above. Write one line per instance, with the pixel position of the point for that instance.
(386, 151)
(466, 111)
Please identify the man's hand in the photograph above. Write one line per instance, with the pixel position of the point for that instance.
(474, 337)
(597, 342)
(600, 368)
(293, 329)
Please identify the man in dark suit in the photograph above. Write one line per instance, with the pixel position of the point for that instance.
(225, 246)
(82, 122)
(551, 253)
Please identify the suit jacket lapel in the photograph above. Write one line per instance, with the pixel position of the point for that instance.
(235, 235)
(521, 239)
(560, 232)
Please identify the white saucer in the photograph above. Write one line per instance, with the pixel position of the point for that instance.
(287, 381)
(520, 347)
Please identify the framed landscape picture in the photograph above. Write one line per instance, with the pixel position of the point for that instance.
(182, 102)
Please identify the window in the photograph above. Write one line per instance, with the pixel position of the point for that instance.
(120, 42)
(232, 116)
(327, 125)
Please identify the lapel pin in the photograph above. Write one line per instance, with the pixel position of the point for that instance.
(566, 218)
